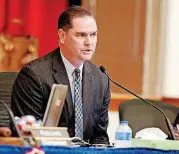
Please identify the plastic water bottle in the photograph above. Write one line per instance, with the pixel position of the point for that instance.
(123, 135)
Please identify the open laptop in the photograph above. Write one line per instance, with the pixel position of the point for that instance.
(55, 105)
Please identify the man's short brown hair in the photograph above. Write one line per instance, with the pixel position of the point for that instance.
(64, 20)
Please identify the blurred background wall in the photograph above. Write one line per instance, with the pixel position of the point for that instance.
(137, 42)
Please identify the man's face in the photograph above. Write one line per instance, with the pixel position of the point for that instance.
(80, 40)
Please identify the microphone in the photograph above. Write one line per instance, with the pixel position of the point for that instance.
(169, 126)
(11, 115)
(82, 143)
(79, 141)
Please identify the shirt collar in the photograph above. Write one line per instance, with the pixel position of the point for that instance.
(69, 67)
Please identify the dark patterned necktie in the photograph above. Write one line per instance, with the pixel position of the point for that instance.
(78, 105)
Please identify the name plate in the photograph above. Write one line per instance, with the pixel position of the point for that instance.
(49, 132)
(53, 141)
(51, 136)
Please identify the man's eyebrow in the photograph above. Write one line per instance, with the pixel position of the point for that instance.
(96, 31)
(81, 33)
(87, 33)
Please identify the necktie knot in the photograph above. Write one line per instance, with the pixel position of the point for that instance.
(77, 73)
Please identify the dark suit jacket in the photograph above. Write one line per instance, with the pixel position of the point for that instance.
(32, 88)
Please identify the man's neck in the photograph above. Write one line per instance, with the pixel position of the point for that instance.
(75, 63)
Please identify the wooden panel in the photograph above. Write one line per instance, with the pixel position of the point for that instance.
(121, 41)
(11, 141)
(116, 99)
(173, 101)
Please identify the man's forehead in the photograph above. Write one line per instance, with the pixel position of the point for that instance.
(83, 23)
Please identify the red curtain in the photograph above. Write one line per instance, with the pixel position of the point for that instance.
(38, 18)
(2, 13)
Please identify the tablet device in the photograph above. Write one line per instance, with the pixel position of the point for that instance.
(55, 105)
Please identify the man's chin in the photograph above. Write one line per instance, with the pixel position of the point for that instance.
(87, 57)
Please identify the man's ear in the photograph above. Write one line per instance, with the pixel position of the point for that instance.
(61, 35)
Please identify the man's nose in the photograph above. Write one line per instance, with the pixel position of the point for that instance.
(88, 40)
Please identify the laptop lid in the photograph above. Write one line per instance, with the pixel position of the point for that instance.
(55, 105)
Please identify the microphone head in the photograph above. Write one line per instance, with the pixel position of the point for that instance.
(102, 69)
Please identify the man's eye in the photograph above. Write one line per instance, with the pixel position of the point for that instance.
(94, 34)
(81, 35)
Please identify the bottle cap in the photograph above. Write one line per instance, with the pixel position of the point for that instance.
(124, 122)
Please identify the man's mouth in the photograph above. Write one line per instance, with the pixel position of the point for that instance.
(87, 50)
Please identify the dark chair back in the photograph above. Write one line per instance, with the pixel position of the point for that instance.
(6, 82)
(140, 115)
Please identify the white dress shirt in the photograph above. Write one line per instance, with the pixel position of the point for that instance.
(70, 69)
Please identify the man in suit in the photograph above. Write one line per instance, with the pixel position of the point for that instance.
(77, 31)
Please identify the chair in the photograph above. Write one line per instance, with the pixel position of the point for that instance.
(140, 115)
(6, 82)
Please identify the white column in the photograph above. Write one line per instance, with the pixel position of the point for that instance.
(171, 53)
(113, 124)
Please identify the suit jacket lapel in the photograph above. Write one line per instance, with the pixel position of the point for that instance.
(88, 84)
(61, 77)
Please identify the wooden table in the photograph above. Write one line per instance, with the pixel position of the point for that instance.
(11, 141)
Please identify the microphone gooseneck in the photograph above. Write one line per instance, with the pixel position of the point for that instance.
(169, 126)
(11, 115)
